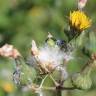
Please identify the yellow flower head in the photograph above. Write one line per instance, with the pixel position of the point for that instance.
(8, 87)
(79, 20)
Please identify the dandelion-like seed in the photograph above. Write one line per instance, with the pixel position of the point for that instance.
(49, 58)
(79, 20)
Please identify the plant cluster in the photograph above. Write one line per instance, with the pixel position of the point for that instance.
(50, 60)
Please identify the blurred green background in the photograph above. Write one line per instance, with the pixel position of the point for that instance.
(24, 20)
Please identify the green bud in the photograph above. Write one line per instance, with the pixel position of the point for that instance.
(82, 81)
(50, 40)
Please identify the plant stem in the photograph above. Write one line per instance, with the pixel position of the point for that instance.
(59, 92)
(56, 84)
(68, 88)
(43, 81)
(48, 88)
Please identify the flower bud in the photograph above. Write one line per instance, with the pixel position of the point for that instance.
(8, 87)
(50, 40)
(81, 4)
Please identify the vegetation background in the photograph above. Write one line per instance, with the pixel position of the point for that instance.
(24, 20)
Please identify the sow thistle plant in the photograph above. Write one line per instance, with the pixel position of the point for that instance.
(51, 58)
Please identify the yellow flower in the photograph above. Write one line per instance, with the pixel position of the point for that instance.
(7, 87)
(79, 20)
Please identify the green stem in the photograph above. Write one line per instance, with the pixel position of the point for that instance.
(59, 92)
(56, 84)
(48, 88)
(43, 81)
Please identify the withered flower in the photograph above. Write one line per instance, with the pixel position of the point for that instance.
(9, 51)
